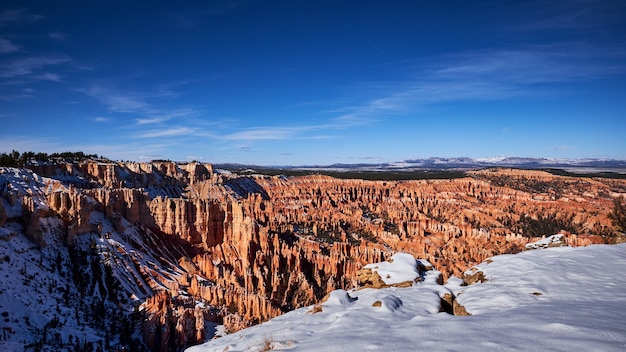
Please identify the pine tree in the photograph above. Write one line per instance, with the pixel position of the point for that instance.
(618, 215)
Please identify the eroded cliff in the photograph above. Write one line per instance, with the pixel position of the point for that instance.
(240, 250)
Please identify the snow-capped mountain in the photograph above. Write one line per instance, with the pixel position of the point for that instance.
(555, 299)
(502, 161)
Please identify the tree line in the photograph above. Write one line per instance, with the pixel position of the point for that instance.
(17, 159)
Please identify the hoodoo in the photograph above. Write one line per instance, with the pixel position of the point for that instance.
(161, 251)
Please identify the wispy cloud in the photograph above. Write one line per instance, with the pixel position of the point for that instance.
(100, 119)
(490, 75)
(167, 132)
(268, 133)
(185, 112)
(15, 96)
(146, 104)
(24, 93)
(118, 102)
(147, 121)
(48, 77)
(27, 65)
(194, 157)
(18, 17)
(154, 118)
(305, 131)
(541, 64)
(321, 129)
(6, 46)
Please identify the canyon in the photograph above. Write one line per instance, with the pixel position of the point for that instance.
(183, 248)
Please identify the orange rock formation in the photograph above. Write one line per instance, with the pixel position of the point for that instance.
(252, 248)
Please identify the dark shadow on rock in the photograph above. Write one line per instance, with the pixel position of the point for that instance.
(244, 186)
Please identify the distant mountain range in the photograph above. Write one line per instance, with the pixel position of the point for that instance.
(464, 163)
(511, 162)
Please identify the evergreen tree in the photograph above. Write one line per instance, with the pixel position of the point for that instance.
(618, 215)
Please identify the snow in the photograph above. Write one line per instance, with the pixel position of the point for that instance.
(37, 281)
(491, 160)
(32, 288)
(555, 299)
(400, 268)
(12, 211)
(550, 241)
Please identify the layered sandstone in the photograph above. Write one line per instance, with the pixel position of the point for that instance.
(252, 248)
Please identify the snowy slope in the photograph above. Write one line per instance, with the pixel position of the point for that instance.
(555, 299)
(41, 307)
(60, 297)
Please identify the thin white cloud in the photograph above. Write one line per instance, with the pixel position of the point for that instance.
(147, 121)
(168, 132)
(16, 96)
(25, 93)
(544, 64)
(491, 75)
(265, 133)
(100, 119)
(139, 103)
(49, 77)
(298, 132)
(188, 112)
(194, 157)
(117, 102)
(18, 17)
(6, 46)
(27, 65)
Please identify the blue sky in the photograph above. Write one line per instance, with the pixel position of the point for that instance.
(314, 82)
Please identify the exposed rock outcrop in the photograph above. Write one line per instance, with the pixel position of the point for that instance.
(252, 248)
(472, 276)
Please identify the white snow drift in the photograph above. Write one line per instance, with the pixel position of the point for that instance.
(555, 299)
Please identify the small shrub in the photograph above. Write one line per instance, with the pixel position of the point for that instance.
(268, 345)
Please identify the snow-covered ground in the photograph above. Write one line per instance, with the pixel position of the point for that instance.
(550, 241)
(57, 297)
(555, 299)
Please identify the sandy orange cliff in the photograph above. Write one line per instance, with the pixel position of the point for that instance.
(251, 248)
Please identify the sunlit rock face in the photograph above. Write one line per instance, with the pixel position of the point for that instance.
(192, 246)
